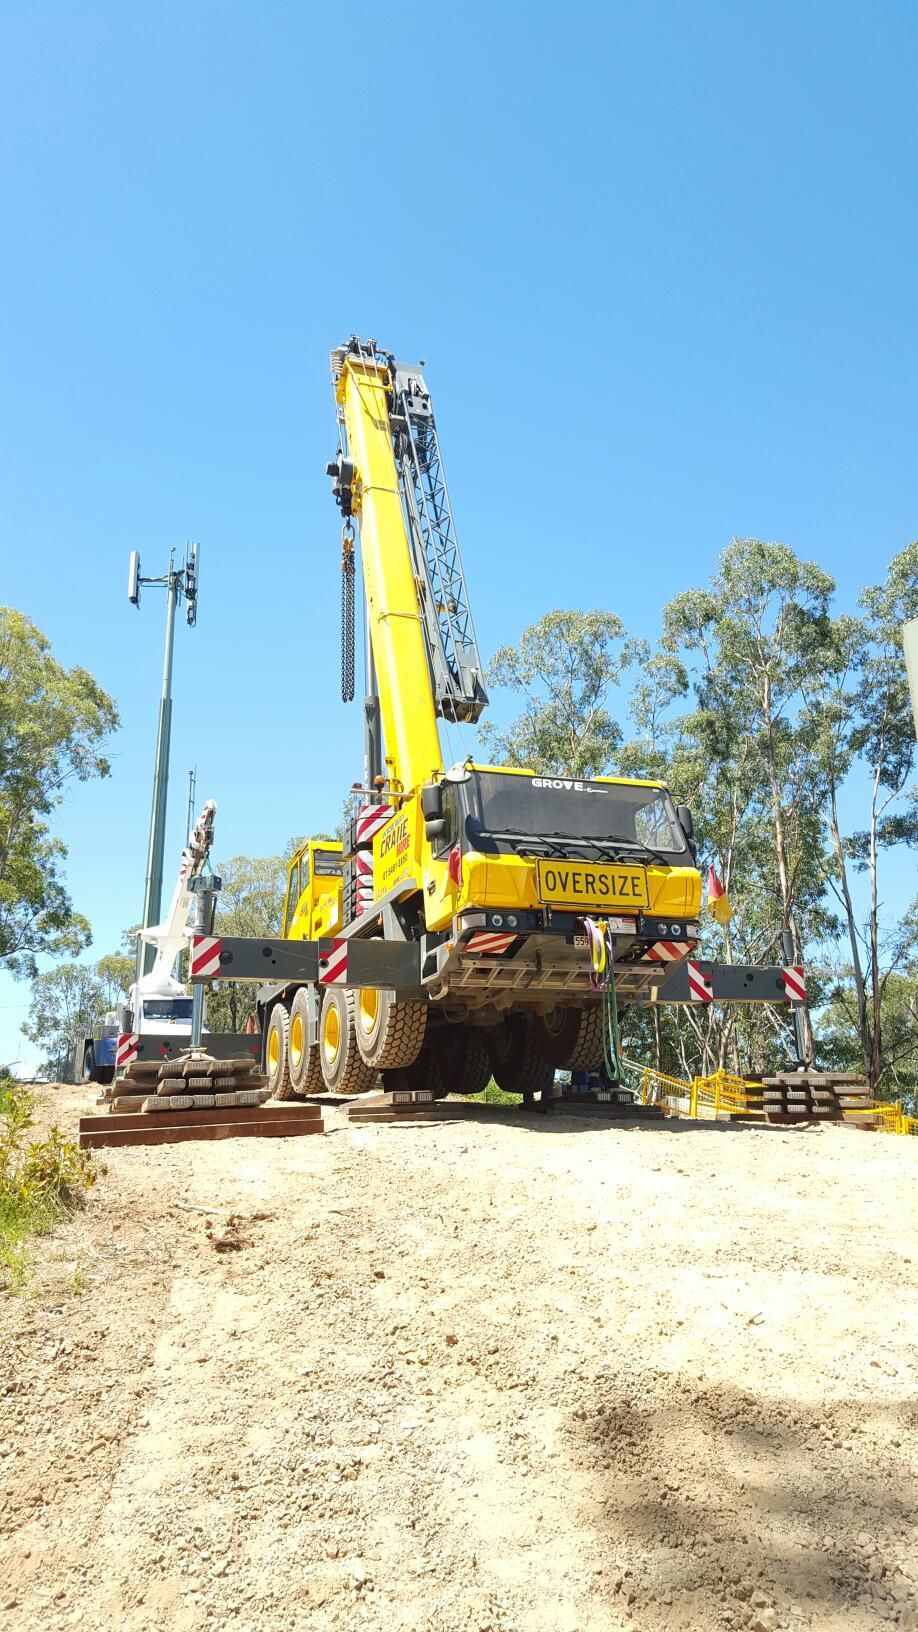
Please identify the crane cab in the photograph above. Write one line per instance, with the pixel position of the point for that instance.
(315, 886)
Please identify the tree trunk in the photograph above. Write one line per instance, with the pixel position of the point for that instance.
(788, 916)
(863, 1026)
(875, 1069)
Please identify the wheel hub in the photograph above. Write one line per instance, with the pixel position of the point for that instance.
(331, 1034)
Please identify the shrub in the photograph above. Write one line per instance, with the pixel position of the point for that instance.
(41, 1179)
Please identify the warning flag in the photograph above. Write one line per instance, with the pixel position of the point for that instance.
(718, 903)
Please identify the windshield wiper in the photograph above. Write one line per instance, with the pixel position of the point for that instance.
(601, 846)
(605, 845)
(538, 839)
(638, 844)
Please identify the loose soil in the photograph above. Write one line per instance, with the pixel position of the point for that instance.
(529, 1376)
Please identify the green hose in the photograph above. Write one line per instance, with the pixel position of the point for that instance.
(611, 1035)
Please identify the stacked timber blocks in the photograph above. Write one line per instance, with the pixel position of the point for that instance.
(197, 1082)
(807, 1096)
(196, 1097)
(204, 1083)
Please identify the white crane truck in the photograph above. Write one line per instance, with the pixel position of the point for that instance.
(155, 1022)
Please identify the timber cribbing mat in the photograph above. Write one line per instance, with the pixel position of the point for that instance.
(389, 1107)
(168, 1128)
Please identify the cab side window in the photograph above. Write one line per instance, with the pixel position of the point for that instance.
(651, 825)
(450, 819)
(292, 897)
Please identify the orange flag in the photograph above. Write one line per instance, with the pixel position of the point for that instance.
(718, 902)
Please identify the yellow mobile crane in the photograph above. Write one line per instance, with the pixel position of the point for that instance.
(463, 890)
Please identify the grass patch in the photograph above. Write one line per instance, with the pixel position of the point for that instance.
(42, 1180)
(492, 1095)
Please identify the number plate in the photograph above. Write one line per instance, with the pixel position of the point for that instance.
(596, 887)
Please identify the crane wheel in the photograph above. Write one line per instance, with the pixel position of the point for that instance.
(343, 1070)
(423, 1073)
(571, 1039)
(304, 1068)
(463, 1061)
(517, 1061)
(277, 1053)
(389, 1034)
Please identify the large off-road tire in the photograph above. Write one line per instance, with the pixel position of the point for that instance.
(389, 1034)
(89, 1065)
(343, 1070)
(463, 1061)
(517, 1062)
(571, 1039)
(277, 1055)
(303, 1057)
(424, 1072)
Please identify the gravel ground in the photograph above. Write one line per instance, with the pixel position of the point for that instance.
(535, 1375)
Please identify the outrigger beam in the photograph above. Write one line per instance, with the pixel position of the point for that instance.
(394, 964)
(397, 965)
(729, 983)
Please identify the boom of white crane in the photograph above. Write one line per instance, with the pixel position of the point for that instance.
(172, 935)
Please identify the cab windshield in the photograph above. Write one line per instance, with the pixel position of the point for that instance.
(595, 820)
(167, 1008)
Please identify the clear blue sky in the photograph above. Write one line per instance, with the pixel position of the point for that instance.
(660, 258)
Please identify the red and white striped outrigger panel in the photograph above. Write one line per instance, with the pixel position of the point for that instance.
(370, 820)
(794, 983)
(489, 945)
(699, 984)
(667, 951)
(126, 1050)
(205, 956)
(363, 862)
(333, 965)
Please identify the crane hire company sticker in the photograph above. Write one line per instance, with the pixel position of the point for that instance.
(392, 855)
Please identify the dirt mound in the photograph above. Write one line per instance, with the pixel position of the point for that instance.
(529, 1377)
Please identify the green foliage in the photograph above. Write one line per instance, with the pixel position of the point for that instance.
(66, 1002)
(69, 1000)
(563, 667)
(840, 1038)
(115, 974)
(53, 722)
(492, 1095)
(756, 708)
(251, 902)
(41, 1180)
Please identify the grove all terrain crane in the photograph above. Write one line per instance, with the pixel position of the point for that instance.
(469, 883)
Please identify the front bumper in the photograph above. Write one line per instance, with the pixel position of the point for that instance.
(542, 956)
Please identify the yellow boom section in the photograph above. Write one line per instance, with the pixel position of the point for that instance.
(409, 721)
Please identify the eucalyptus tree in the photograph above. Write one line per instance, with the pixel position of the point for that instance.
(749, 644)
(858, 715)
(563, 668)
(53, 725)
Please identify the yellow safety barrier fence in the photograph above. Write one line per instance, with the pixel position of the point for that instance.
(723, 1094)
(889, 1117)
(726, 1095)
(706, 1097)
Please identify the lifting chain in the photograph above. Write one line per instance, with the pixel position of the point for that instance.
(347, 612)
